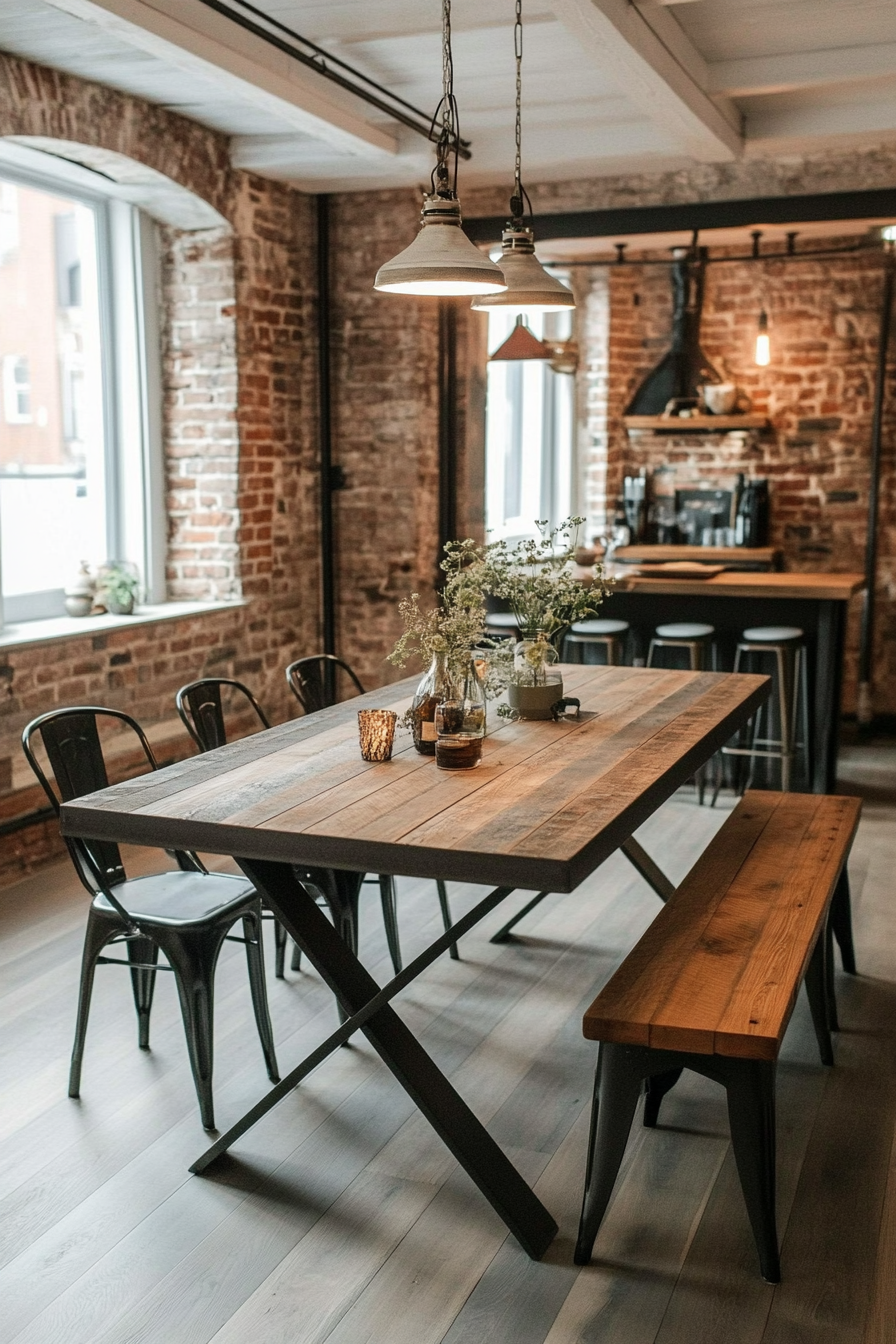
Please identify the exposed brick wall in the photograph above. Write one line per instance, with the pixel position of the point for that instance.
(239, 411)
(386, 431)
(818, 392)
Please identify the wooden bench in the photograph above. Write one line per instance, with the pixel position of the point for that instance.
(711, 987)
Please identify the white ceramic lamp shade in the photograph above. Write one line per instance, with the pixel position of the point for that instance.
(441, 260)
(528, 284)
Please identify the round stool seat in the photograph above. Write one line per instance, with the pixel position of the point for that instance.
(773, 634)
(685, 630)
(501, 620)
(605, 627)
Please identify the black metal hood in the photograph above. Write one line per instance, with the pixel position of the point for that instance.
(684, 368)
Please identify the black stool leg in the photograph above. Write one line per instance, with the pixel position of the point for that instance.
(751, 1113)
(655, 1089)
(445, 908)
(617, 1086)
(390, 918)
(143, 983)
(818, 992)
(830, 987)
(841, 923)
(98, 933)
(255, 963)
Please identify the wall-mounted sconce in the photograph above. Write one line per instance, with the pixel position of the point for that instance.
(763, 350)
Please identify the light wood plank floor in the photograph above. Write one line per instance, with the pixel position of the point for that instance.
(342, 1218)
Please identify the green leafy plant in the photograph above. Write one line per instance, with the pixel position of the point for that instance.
(118, 584)
(536, 579)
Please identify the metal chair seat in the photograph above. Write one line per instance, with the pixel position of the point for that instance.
(178, 899)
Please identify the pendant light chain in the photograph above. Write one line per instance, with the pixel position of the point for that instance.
(449, 137)
(516, 203)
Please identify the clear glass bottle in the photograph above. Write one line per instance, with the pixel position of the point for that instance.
(435, 686)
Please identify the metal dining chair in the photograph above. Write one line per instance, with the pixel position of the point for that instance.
(187, 914)
(201, 710)
(313, 682)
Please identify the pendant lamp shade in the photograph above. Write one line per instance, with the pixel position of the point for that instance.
(441, 259)
(528, 284)
(522, 343)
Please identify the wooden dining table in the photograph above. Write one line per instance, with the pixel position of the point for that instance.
(548, 804)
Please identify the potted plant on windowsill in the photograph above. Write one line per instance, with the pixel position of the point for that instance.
(118, 584)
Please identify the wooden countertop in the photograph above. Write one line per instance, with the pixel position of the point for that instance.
(734, 583)
(768, 556)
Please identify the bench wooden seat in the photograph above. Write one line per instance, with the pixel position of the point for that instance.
(712, 984)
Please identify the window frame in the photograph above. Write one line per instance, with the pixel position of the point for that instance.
(128, 276)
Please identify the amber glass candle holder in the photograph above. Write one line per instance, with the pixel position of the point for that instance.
(376, 729)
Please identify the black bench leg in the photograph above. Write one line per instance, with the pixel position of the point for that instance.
(617, 1086)
(841, 923)
(751, 1113)
(818, 992)
(656, 1089)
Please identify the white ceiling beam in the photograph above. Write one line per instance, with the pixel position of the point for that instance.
(795, 127)
(659, 71)
(802, 69)
(197, 40)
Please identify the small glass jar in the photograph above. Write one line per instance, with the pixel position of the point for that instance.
(460, 723)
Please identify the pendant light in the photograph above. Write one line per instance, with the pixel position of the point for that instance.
(522, 343)
(763, 352)
(441, 260)
(528, 284)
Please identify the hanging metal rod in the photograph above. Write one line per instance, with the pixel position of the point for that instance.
(810, 255)
(331, 67)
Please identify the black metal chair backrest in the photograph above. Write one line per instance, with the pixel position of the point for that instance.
(313, 680)
(202, 714)
(71, 739)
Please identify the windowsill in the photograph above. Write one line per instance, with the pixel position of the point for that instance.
(70, 627)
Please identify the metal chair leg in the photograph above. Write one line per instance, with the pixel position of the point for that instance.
(193, 955)
(98, 933)
(280, 951)
(390, 919)
(617, 1086)
(252, 926)
(445, 908)
(143, 982)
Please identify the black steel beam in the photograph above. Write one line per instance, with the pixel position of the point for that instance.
(872, 204)
(328, 481)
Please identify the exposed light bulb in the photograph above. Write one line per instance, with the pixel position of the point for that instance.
(763, 349)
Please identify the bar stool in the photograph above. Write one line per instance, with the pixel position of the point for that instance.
(790, 697)
(611, 634)
(691, 635)
(502, 625)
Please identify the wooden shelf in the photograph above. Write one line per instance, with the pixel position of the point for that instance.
(753, 557)
(695, 424)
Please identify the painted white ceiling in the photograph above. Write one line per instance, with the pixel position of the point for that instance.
(609, 85)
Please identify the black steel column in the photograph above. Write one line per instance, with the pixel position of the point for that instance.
(866, 642)
(325, 433)
(448, 425)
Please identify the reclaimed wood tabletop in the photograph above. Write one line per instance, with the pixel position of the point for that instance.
(549, 802)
